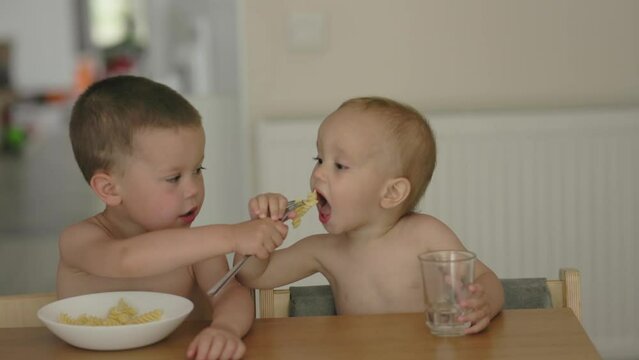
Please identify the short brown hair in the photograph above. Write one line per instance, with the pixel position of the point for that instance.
(413, 137)
(109, 112)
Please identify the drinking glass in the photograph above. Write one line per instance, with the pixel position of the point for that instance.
(446, 275)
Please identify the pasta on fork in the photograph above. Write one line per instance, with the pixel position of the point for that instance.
(304, 206)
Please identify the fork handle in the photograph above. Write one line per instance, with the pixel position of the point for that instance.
(231, 273)
(228, 276)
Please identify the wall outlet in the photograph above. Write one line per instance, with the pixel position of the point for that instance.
(307, 32)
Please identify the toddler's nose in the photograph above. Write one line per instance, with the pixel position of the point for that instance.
(192, 188)
(317, 174)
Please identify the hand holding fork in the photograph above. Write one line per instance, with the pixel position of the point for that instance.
(290, 207)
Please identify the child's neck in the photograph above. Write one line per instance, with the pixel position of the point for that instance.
(118, 225)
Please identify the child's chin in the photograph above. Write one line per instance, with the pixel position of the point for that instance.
(331, 228)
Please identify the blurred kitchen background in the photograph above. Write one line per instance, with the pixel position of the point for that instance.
(535, 103)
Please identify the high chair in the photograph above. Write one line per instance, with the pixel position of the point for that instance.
(555, 293)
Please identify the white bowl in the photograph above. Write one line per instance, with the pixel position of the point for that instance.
(175, 308)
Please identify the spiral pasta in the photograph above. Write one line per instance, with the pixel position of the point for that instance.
(121, 314)
(307, 203)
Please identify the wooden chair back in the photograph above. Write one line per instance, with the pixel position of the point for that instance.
(21, 310)
(564, 292)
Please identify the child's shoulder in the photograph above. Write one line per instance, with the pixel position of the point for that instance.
(428, 229)
(85, 229)
(423, 221)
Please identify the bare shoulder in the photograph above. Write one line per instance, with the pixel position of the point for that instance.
(430, 231)
(424, 222)
(83, 232)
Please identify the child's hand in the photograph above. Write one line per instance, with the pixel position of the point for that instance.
(216, 343)
(267, 205)
(479, 312)
(259, 237)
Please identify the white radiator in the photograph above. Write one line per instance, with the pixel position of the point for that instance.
(529, 192)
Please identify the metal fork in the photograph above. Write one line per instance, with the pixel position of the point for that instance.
(290, 206)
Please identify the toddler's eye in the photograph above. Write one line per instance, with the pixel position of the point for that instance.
(173, 179)
(199, 169)
(340, 166)
(318, 159)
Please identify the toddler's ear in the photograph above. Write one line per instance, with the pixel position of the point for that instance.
(104, 186)
(395, 192)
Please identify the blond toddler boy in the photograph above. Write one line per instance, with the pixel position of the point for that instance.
(375, 158)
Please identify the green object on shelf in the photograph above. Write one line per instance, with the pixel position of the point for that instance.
(13, 139)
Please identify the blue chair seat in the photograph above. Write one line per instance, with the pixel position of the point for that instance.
(523, 293)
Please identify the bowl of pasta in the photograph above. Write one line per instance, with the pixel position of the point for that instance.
(115, 320)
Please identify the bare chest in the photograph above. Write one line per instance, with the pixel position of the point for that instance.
(388, 283)
(178, 282)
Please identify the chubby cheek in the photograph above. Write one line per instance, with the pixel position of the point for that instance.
(160, 214)
(356, 206)
(353, 199)
(157, 219)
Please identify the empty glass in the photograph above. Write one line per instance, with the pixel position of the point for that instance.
(447, 275)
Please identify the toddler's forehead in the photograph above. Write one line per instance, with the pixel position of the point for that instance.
(146, 132)
(363, 134)
(357, 120)
(364, 128)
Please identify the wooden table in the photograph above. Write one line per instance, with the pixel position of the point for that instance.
(515, 334)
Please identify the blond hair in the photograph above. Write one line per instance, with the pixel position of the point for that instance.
(413, 138)
(107, 115)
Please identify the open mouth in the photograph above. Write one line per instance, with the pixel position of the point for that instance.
(190, 215)
(323, 208)
(321, 200)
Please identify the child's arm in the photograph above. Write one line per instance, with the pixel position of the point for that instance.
(233, 314)
(283, 266)
(486, 301)
(86, 246)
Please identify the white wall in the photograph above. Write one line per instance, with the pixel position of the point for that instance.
(42, 33)
(223, 178)
(443, 55)
(435, 55)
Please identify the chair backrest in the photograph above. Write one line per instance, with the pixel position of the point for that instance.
(564, 292)
(274, 303)
(20, 310)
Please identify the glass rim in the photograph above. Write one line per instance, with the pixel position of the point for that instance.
(431, 256)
